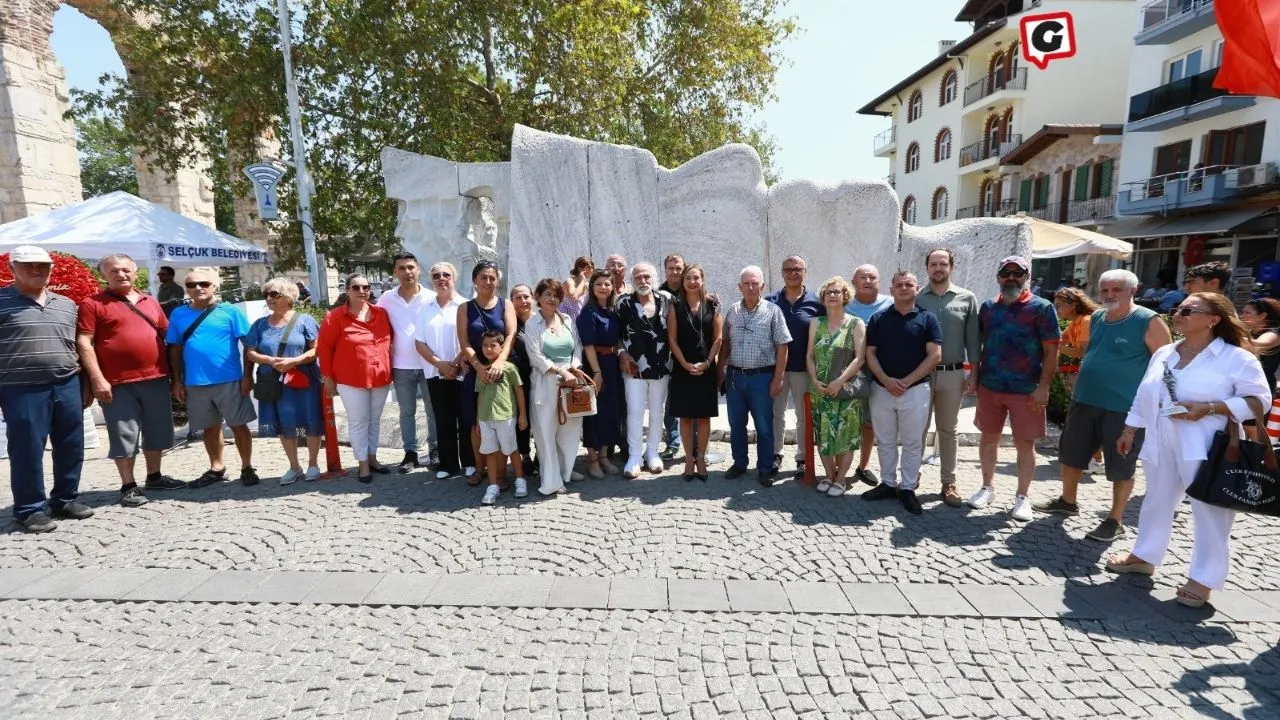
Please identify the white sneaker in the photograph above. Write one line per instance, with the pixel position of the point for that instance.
(655, 466)
(290, 477)
(490, 495)
(1021, 509)
(442, 474)
(522, 488)
(632, 471)
(471, 470)
(982, 498)
(1096, 468)
(932, 460)
(313, 474)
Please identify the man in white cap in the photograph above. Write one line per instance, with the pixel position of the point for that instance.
(40, 392)
(1019, 357)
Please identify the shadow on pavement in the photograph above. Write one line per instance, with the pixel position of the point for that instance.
(1261, 677)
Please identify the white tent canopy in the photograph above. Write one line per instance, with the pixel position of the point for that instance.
(122, 223)
(1052, 240)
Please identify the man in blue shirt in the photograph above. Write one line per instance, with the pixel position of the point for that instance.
(205, 357)
(904, 345)
(867, 301)
(799, 306)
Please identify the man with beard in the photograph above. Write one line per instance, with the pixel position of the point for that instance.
(1019, 357)
(957, 311)
(1122, 339)
(646, 366)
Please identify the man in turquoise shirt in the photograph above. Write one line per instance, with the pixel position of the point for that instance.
(1122, 338)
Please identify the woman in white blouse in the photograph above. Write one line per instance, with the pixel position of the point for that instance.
(436, 338)
(1211, 371)
(555, 353)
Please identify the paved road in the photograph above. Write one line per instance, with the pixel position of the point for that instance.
(188, 659)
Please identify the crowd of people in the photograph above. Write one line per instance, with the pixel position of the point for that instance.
(503, 380)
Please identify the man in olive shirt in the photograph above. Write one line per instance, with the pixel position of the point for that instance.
(169, 294)
(957, 311)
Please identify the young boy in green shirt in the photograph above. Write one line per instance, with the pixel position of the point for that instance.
(500, 410)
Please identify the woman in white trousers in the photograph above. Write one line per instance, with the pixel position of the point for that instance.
(555, 354)
(1209, 373)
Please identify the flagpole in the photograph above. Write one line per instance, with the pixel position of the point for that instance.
(319, 284)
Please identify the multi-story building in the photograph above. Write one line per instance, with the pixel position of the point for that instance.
(1198, 169)
(977, 131)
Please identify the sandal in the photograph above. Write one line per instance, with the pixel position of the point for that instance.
(824, 485)
(1190, 598)
(836, 490)
(1129, 564)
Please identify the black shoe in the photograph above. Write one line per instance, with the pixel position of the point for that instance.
(1108, 531)
(670, 453)
(380, 469)
(1056, 506)
(734, 472)
(800, 466)
(366, 479)
(208, 478)
(432, 460)
(248, 476)
(765, 478)
(702, 477)
(688, 477)
(73, 510)
(37, 523)
(408, 464)
(133, 497)
(908, 500)
(866, 476)
(162, 482)
(880, 492)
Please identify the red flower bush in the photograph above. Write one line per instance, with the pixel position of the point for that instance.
(70, 276)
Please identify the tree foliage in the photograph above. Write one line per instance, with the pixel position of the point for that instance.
(440, 77)
(106, 161)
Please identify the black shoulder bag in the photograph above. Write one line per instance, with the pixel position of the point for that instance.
(1237, 474)
(266, 388)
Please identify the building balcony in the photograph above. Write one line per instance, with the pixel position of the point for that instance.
(1167, 21)
(1004, 208)
(885, 143)
(992, 84)
(1199, 188)
(1084, 211)
(975, 157)
(1182, 101)
(1052, 212)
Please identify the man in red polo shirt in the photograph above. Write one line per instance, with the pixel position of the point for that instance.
(120, 337)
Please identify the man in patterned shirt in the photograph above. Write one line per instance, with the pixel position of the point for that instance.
(646, 365)
(1019, 356)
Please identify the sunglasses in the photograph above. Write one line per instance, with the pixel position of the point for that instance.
(1187, 312)
(273, 295)
(1011, 274)
(441, 276)
(358, 288)
(834, 292)
(204, 284)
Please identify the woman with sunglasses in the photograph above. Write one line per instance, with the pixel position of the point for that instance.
(436, 338)
(354, 352)
(488, 311)
(1192, 389)
(285, 341)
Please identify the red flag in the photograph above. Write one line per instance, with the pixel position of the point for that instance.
(1251, 55)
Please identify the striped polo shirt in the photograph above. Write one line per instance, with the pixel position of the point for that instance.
(37, 343)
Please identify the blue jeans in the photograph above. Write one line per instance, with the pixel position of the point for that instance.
(34, 414)
(409, 384)
(671, 427)
(749, 394)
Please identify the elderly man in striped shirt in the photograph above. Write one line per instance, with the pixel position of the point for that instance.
(40, 392)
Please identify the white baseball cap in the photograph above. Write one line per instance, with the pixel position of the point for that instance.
(30, 254)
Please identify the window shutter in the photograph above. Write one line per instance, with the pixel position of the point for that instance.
(1024, 196)
(1104, 185)
(1082, 182)
(1043, 196)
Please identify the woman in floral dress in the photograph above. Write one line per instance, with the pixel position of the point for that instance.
(837, 424)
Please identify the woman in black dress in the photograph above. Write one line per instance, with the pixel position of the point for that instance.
(693, 332)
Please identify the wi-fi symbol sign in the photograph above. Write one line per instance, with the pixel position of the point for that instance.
(265, 177)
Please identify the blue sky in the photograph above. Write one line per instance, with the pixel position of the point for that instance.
(840, 59)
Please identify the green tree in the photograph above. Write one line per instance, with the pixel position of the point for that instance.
(106, 163)
(440, 77)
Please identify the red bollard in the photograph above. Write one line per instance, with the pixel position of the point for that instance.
(810, 473)
(333, 460)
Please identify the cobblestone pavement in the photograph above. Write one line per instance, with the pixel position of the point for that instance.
(105, 661)
(658, 526)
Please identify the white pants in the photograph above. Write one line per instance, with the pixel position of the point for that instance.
(557, 444)
(642, 394)
(900, 419)
(794, 386)
(364, 418)
(1211, 539)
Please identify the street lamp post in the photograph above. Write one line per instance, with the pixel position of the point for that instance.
(319, 284)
